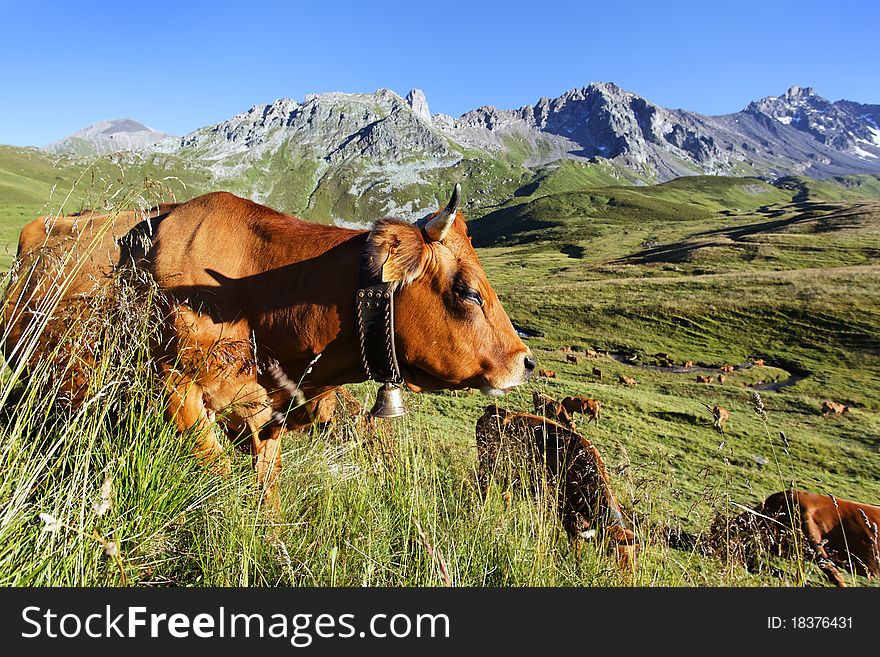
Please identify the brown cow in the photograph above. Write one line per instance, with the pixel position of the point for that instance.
(579, 404)
(547, 374)
(64, 276)
(833, 408)
(727, 368)
(704, 379)
(257, 300)
(721, 379)
(571, 358)
(563, 411)
(688, 364)
(548, 407)
(759, 362)
(566, 350)
(343, 417)
(343, 406)
(841, 532)
(528, 451)
(592, 353)
(720, 415)
(626, 380)
(597, 372)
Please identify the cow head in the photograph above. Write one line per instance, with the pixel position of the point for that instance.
(450, 328)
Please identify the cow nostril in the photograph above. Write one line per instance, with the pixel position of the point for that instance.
(530, 363)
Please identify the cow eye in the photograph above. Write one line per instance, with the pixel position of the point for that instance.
(465, 292)
(473, 296)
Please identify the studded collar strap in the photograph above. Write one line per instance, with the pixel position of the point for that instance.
(375, 320)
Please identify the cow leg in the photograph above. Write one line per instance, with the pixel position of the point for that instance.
(385, 443)
(814, 537)
(266, 444)
(185, 406)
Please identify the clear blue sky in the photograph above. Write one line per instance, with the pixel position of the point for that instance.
(177, 66)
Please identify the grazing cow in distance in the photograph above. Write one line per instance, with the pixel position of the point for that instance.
(255, 300)
(522, 450)
(566, 350)
(688, 364)
(759, 362)
(548, 407)
(626, 380)
(704, 379)
(579, 404)
(841, 532)
(721, 379)
(726, 368)
(720, 415)
(597, 372)
(833, 408)
(547, 374)
(592, 353)
(571, 358)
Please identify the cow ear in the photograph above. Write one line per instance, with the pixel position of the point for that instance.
(397, 251)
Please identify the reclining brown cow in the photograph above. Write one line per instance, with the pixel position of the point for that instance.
(254, 300)
(524, 450)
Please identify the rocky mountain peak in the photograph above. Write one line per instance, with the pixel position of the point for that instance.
(108, 137)
(419, 104)
(382, 135)
(842, 125)
(796, 93)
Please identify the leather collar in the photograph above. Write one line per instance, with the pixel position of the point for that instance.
(375, 321)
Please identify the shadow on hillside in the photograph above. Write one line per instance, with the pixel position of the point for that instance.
(685, 418)
(573, 251)
(808, 212)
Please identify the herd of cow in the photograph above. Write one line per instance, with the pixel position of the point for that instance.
(252, 300)
(839, 532)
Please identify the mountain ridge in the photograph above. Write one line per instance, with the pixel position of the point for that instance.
(336, 154)
(598, 120)
(107, 137)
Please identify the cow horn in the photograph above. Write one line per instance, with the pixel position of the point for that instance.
(437, 227)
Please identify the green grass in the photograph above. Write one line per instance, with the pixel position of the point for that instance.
(803, 295)
(710, 270)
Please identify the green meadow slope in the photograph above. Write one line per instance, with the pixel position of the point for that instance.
(704, 269)
(714, 271)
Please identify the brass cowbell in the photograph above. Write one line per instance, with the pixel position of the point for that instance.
(389, 402)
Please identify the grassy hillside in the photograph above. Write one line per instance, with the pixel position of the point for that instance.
(711, 270)
(668, 272)
(33, 183)
(293, 179)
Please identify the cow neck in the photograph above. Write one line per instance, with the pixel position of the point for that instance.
(375, 323)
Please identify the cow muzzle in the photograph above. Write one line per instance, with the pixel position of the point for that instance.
(523, 367)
